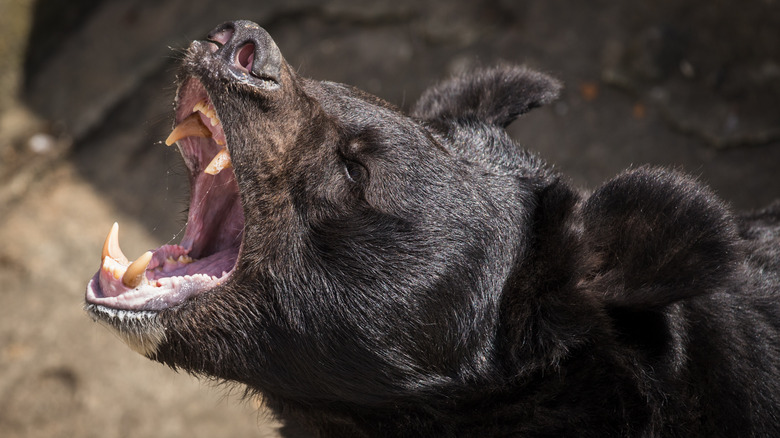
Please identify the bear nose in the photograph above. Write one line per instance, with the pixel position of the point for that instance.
(249, 48)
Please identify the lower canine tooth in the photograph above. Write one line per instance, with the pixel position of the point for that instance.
(135, 272)
(219, 162)
(111, 246)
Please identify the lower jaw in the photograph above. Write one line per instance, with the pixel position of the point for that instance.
(140, 330)
(157, 291)
(169, 277)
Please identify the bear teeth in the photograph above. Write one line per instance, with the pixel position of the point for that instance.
(208, 110)
(219, 162)
(116, 265)
(134, 275)
(111, 247)
(193, 126)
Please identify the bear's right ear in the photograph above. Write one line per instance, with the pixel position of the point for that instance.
(653, 237)
(496, 96)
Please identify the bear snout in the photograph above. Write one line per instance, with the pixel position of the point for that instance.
(247, 49)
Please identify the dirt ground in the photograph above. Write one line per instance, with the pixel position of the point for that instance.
(85, 100)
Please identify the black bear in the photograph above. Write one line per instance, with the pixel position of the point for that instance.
(373, 273)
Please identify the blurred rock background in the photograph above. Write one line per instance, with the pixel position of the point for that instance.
(86, 88)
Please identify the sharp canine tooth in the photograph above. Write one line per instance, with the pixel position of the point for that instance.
(219, 162)
(135, 272)
(111, 246)
(192, 126)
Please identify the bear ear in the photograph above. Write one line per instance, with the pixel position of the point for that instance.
(496, 96)
(653, 237)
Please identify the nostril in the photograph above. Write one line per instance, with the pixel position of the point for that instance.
(246, 56)
(223, 36)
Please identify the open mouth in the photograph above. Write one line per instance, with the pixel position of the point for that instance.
(207, 254)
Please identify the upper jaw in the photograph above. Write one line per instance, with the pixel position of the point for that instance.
(198, 131)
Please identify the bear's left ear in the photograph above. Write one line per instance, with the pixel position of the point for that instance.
(653, 237)
(495, 96)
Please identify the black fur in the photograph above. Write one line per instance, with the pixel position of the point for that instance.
(423, 276)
